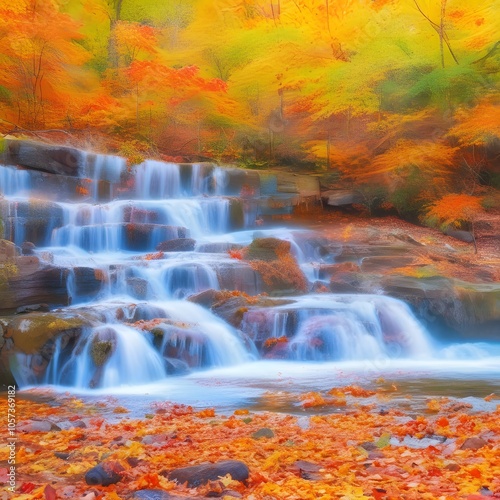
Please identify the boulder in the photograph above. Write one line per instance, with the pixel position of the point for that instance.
(341, 197)
(30, 282)
(30, 332)
(466, 236)
(103, 345)
(137, 288)
(144, 237)
(28, 248)
(31, 220)
(219, 247)
(60, 160)
(473, 443)
(272, 259)
(207, 298)
(471, 310)
(239, 275)
(198, 475)
(177, 245)
(88, 282)
(104, 474)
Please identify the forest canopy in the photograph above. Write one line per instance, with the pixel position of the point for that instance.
(395, 93)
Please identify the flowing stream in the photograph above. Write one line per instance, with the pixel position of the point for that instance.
(190, 355)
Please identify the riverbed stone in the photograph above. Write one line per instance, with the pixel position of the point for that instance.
(198, 475)
(264, 432)
(473, 443)
(104, 474)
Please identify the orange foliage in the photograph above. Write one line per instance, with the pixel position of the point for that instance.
(271, 342)
(236, 254)
(455, 209)
(334, 444)
(478, 126)
(154, 256)
(426, 155)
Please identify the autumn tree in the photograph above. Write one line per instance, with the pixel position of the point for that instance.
(455, 211)
(39, 63)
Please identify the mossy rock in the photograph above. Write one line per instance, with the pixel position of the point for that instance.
(30, 332)
(103, 345)
(267, 249)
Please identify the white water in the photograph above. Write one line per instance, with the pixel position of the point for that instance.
(326, 334)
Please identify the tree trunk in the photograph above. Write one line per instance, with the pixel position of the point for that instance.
(441, 31)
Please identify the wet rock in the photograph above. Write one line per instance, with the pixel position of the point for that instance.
(29, 332)
(176, 366)
(40, 156)
(272, 259)
(267, 249)
(177, 245)
(103, 345)
(104, 474)
(236, 214)
(473, 443)
(234, 309)
(239, 276)
(142, 236)
(265, 432)
(88, 282)
(137, 288)
(468, 308)
(31, 282)
(31, 220)
(28, 248)
(62, 455)
(219, 247)
(33, 308)
(197, 475)
(185, 344)
(206, 298)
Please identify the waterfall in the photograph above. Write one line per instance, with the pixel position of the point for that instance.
(13, 181)
(341, 327)
(160, 234)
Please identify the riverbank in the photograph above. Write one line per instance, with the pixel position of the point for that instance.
(359, 447)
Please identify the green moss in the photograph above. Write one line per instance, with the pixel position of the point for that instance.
(100, 351)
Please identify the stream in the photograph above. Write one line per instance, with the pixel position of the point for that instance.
(192, 356)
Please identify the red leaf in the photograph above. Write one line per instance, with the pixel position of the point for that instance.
(27, 487)
(50, 493)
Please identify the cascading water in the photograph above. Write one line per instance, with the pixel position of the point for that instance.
(141, 332)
